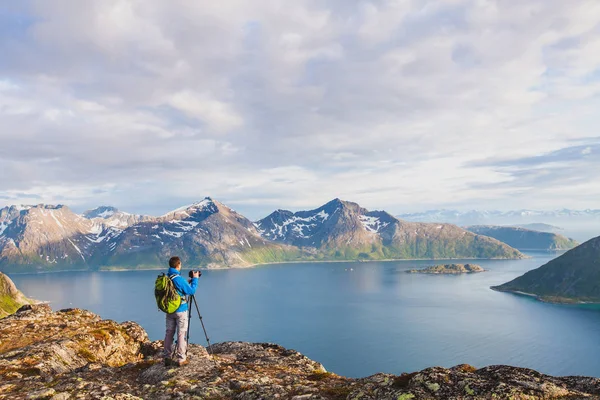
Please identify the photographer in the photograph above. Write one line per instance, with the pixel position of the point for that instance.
(178, 321)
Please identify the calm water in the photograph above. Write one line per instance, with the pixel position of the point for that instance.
(358, 318)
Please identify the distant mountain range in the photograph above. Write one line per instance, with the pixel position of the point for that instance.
(210, 234)
(525, 239)
(572, 277)
(491, 217)
(581, 225)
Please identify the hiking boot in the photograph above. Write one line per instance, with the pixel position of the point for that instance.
(168, 362)
(181, 363)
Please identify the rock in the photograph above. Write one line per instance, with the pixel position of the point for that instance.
(449, 269)
(60, 396)
(88, 357)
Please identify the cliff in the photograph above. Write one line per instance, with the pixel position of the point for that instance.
(75, 354)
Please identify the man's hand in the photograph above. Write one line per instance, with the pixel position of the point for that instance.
(197, 274)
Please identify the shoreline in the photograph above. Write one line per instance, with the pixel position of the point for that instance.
(204, 268)
(566, 301)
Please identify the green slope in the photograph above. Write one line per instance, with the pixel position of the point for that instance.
(572, 277)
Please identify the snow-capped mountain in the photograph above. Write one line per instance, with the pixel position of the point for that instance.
(112, 217)
(341, 229)
(46, 235)
(206, 233)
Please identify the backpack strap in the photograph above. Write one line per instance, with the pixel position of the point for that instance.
(172, 277)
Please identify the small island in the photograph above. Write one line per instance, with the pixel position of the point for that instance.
(451, 269)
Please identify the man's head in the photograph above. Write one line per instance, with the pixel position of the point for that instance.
(175, 262)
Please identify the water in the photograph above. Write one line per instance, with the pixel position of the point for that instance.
(358, 318)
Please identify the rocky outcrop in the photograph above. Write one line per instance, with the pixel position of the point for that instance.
(449, 269)
(75, 354)
(11, 298)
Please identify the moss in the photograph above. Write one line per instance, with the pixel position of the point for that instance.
(86, 354)
(466, 368)
(8, 305)
(469, 391)
(406, 396)
(434, 387)
(319, 376)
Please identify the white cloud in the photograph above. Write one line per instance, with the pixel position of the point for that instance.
(392, 103)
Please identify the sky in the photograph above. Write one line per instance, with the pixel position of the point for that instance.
(400, 105)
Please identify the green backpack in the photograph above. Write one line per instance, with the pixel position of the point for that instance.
(167, 298)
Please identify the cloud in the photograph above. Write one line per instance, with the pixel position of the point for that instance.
(395, 104)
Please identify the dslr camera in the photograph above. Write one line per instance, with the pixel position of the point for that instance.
(191, 273)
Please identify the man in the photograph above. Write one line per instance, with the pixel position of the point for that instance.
(178, 321)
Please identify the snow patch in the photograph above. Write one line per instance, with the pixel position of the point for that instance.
(372, 224)
(77, 248)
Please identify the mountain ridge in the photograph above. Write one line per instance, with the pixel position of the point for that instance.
(210, 234)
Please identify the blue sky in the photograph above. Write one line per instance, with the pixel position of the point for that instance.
(399, 105)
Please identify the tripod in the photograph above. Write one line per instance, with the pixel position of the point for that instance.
(192, 299)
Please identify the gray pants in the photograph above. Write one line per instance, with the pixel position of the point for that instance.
(176, 321)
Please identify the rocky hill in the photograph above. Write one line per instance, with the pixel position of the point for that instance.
(75, 354)
(344, 230)
(449, 269)
(572, 277)
(11, 299)
(210, 234)
(525, 239)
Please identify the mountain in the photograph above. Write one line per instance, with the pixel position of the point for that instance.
(46, 238)
(524, 239)
(345, 231)
(574, 276)
(112, 217)
(210, 234)
(206, 233)
(11, 299)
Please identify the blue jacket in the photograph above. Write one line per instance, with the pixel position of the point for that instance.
(183, 287)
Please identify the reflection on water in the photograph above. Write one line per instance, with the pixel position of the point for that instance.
(358, 318)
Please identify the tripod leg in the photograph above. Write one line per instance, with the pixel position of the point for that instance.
(188, 327)
(204, 329)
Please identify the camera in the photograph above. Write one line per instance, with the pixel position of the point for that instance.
(191, 273)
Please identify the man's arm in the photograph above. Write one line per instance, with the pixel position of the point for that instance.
(187, 289)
